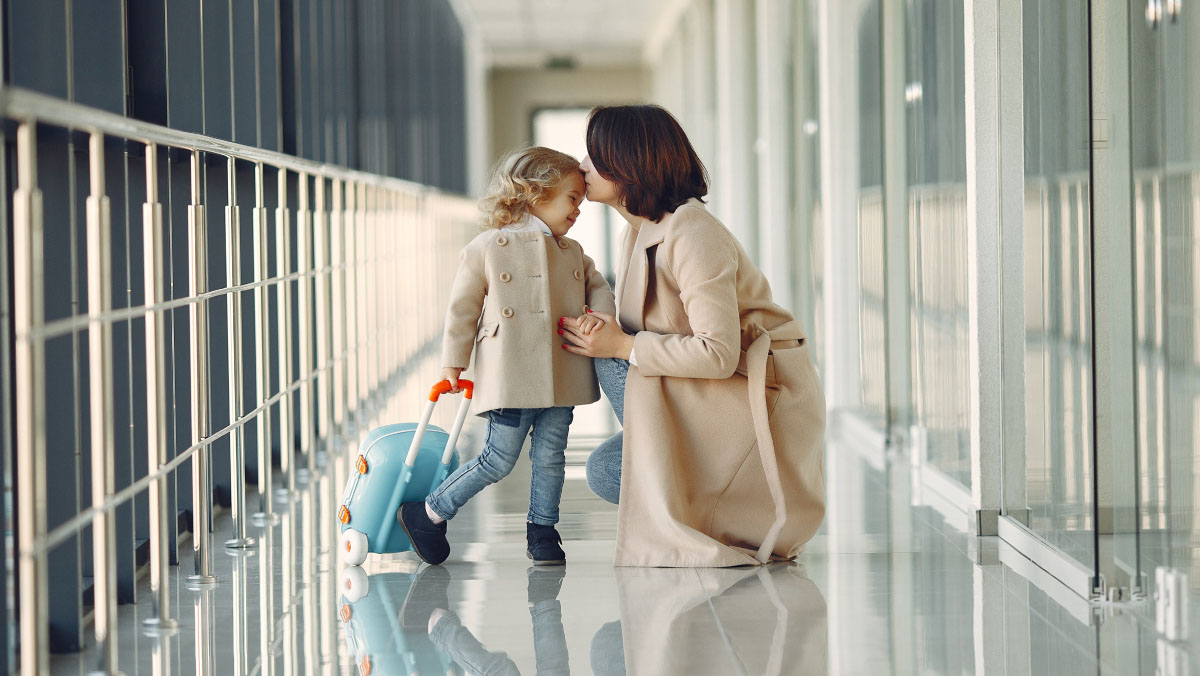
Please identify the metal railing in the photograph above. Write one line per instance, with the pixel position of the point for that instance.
(358, 300)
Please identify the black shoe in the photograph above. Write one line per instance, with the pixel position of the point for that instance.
(428, 539)
(543, 545)
(544, 583)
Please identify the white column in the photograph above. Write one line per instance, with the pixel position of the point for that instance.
(775, 230)
(1012, 264)
(983, 258)
(734, 174)
(476, 61)
(700, 59)
(839, 21)
(895, 132)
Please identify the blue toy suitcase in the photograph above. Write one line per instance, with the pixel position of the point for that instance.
(399, 463)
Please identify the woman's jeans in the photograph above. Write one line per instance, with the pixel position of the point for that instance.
(604, 464)
(506, 431)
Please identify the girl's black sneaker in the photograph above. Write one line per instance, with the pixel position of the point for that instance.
(544, 544)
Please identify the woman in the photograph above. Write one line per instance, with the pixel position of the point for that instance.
(720, 458)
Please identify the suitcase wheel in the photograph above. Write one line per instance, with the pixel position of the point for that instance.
(353, 547)
(354, 584)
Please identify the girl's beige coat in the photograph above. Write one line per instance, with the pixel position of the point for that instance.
(509, 292)
(724, 415)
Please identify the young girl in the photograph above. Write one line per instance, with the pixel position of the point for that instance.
(515, 283)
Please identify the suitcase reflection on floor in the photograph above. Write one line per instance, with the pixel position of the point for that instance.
(401, 623)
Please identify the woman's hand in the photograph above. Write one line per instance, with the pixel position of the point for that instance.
(452, 373)
(604, 341)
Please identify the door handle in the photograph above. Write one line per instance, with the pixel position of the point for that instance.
(1154, 14)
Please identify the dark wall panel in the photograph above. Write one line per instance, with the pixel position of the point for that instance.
(245, 74)
(147, 43)
(185, 50)
(98, 50)
(218, 97)
(36, 49)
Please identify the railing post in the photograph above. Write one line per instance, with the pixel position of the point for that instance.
(304, 266)
(338, 314)
(265, 515)
(28, 313)
(237, 437)
(199, 346)
(100, 381)
(371, 365)
(349, 315)
(156, 414)
(324, 319)
(283, 297)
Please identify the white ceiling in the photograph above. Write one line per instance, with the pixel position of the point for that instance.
(527, 33)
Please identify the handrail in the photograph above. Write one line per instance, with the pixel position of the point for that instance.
(351, 232)
(23, 104)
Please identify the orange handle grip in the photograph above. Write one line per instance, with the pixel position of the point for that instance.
(444, 387)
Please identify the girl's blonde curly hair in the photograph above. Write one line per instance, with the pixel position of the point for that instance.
(523, 179)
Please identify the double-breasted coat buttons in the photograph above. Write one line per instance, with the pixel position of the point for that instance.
(507, 312)
(501, 240)
(579, 274)
(505, 277)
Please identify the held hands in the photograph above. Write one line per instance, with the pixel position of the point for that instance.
(588, 323)
(452, 373)
(596, 334)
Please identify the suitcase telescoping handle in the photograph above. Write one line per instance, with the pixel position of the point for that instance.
(389, 515)
(437, 391)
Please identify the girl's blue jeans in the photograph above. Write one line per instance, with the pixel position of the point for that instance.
(604, 464)
(506, 431)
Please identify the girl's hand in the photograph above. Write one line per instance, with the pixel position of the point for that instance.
(606, 340)
(589, 322)
(451, 373)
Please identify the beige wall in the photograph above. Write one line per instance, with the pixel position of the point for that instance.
(514, 95)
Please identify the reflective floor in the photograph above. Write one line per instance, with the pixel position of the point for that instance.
(886, 587)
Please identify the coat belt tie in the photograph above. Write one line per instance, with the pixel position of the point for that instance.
(756, 376)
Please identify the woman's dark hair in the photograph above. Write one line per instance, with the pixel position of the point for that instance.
(644, 151)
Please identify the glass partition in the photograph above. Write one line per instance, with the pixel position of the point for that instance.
(1059, 449)
(1165, 93)
(937, 222)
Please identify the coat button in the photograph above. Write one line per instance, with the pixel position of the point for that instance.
(579, 274)
(507, 312)
(562, 244)
(501, 240)
(505, 277)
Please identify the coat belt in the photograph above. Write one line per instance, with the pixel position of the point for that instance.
(755, 362)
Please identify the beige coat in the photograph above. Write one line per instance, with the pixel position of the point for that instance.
(724, 414)
(509, 292)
